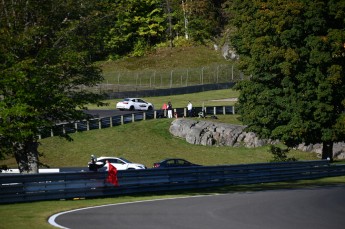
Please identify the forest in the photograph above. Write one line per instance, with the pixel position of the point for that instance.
(112, 29)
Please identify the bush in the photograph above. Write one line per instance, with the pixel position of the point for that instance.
(279, 154)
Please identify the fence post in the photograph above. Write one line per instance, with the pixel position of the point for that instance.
(232, 73)
(171, 77)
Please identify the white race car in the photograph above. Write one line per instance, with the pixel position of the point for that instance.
(118, 162)
(134, 104)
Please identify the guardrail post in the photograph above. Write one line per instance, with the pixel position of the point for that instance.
(233, 109)
(122, 120)
(144, 115)
(184, 112)
(111, 121)
(99, 124)
(76, 127)
(154, 114)
(51, 133)
(133, 118)
(224, 110)
(214, 110)
(87, 125)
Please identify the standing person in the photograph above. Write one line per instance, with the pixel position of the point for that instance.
(164, 108)
(170, 109)
(190, 109)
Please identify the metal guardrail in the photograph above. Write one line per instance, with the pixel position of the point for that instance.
(106, 122)
(55, 186)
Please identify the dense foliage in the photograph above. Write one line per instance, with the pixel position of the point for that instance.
(42, 63)
(294, 52)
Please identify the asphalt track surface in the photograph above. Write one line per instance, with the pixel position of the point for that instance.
(314, 208)
(109, 113)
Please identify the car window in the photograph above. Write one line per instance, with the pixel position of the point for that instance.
(170, 162)
(125, 100)
(115, 161)
(181, 162)
(141, 101)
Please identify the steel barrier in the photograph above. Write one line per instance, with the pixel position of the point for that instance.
(106, 122)
(69, 185)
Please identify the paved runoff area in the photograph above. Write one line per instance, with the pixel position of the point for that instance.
(314, 208)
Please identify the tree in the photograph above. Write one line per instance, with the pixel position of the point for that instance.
(43, 61)
(138, 26)
(202, 19)
(294, 53)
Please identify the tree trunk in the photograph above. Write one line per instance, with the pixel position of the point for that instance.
(327, 150)
(170, 23)
(185, 20)
(26, 155)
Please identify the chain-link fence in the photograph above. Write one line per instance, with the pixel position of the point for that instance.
(174, 78)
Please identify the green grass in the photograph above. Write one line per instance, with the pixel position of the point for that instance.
(166, 59)
(207, 98)
(150, 141)
(166, 68)
(146, 142)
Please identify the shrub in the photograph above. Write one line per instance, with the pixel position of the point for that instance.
(279, 154)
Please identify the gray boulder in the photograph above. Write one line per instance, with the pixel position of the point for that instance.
(212, 133)
(200, 132)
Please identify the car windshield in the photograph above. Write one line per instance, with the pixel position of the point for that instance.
(125, 160)
(125, 100)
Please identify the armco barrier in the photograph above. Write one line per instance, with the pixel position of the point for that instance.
(106, 122)
(55, 186)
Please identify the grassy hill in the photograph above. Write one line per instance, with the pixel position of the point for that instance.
(150, 141)
(167, 58)
(146, 142)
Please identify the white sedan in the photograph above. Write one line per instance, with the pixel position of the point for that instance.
(118, 162)
(134, 104)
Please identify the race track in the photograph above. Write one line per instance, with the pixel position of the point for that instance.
(314, 208)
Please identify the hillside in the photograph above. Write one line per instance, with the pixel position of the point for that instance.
(165, 59)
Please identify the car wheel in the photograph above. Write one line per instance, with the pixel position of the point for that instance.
(131, 108)
(149, 108)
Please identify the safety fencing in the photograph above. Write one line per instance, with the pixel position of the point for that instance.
(122, 81)
(106, 122)
(56, 186)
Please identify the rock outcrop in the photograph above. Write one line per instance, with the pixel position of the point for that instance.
(208, 133)
(213, 133)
